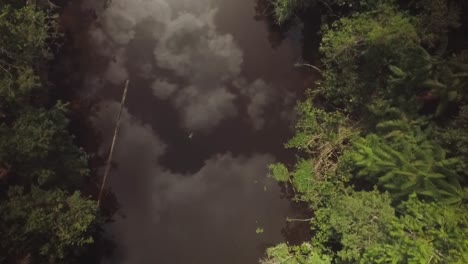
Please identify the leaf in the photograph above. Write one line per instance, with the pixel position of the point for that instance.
(433, 84)
(441, 108)
(409, 175)
(387, 177)
(428, 193)
(397, 71)
(450, 162)
(446, 193)
(452, 95)
(390, 186)
(452, 200)
(408, 185)
(451, 187)
(434, 175)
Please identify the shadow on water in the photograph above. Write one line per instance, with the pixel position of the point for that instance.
(264, 12)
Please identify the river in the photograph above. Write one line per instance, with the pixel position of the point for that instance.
(209, 106)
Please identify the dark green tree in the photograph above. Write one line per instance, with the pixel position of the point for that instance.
(357, 52)
(24, 35)
(38, 148)
(45, 226)
(44, 219)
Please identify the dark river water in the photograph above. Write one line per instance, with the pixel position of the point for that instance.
(209, 106)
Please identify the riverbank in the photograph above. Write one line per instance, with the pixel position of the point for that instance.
(382, 156)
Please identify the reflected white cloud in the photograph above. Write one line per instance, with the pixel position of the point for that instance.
(192, 48)
(203, 110)
(163, 89)
(187, 43)
(259, 95)
(120, 19)
(167, 211)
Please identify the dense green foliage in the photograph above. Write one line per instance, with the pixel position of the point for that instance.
(384, 172)
(285, 10)
(357, 52)
(24, 32)
(38, 147)
(44, 220)
(322, 135)
(426, 232)
(48, 225)
(403, 160)
(453, 136)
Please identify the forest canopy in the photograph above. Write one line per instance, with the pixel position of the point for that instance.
(45, 219)
(381, 141)
(382, 162)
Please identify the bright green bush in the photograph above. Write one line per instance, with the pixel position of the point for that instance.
(424, 233)
(302, 254)
(352, 223)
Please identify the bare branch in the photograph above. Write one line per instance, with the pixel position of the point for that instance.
(298, 220)
(114, 139)
(308, 65)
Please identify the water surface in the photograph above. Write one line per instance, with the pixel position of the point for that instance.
(209, 106)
